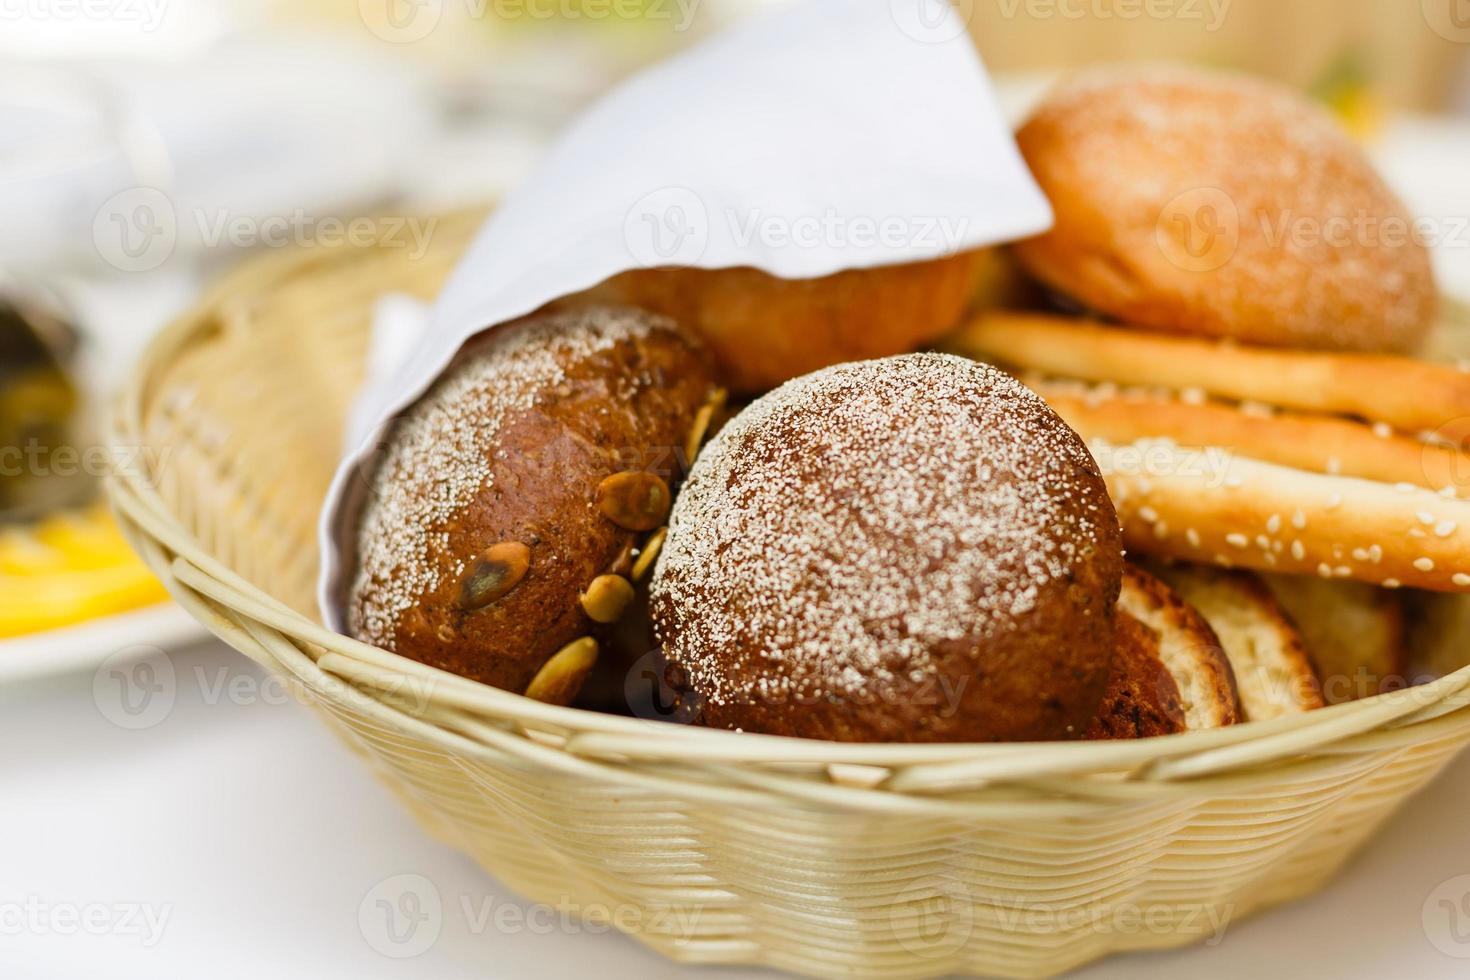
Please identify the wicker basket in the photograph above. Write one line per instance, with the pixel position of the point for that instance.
(713, 847)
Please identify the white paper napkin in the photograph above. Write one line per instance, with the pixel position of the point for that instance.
(822, 136)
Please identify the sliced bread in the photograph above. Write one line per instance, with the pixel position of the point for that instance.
(1273, 671)
(1169, 673)
(1353, 631)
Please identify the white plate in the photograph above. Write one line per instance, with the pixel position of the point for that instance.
(85, 645)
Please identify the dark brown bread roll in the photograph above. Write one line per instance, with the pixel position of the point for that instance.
(508, 512)
(908, 549)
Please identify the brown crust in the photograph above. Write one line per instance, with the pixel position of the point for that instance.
(1142, 698)
(1233, 511)
(1438, 634)
(1356, 633)
(764, 330)
(1410, 395)
(1273, 671)
(1189, 647)
(1199, 203)
(1317, 443)
(827, 575)
(629, 406)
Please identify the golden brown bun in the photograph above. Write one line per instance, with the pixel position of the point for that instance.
(1188, 648)
(1202, 203)
(1354, 632)
(764, 330)
(909, 549)
(1142, 698)
(512, 498)
(1273, 672)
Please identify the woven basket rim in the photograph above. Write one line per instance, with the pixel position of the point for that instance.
(1199, 758)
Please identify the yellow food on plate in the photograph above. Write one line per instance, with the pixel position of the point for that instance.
(68, 569)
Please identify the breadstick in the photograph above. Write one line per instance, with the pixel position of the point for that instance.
(1415, 396)
(1318, 443)
(1211, 506)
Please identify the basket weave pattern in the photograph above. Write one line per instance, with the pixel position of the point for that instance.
(712, 847)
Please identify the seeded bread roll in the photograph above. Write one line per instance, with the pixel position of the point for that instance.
(908, 549)
(507, 514)
(764, 330)
(1202, 203)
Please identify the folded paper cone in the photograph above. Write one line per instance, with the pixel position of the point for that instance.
(813, 139)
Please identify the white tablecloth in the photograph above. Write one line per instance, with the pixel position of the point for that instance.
(235, 837)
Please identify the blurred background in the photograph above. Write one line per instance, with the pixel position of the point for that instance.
(148, 145)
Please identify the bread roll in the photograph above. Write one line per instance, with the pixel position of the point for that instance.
(1222, 206)
(764, 330)
(908, 549)
(509, 506)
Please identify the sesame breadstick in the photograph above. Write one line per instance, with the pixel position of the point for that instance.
(1410, 395)
(1317, 443)
(1212, 506)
